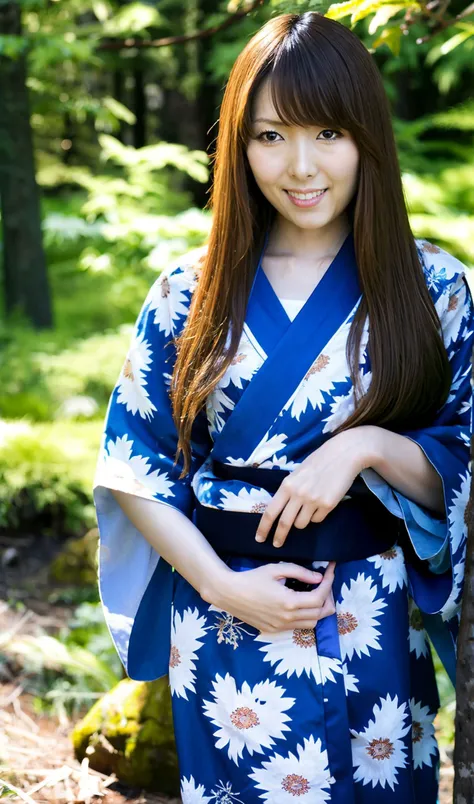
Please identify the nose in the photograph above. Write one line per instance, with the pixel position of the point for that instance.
(303, 160)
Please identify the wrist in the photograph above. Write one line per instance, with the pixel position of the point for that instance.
(215, 584)
(365, 446)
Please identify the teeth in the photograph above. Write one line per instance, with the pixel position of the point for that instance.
(305, 196)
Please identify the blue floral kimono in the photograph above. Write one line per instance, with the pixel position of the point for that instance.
(342, 713)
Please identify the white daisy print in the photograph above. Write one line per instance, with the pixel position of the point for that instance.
(252, 500)
(451, 607)
(131, 384)
(416, 631)
(247, 718)
(168, 306)
(304, 775)
(218, 405)
(329, 367)
(280, 463)
(454, 310)
(223, 794)
(120, 469)
(378, 751)
(425, 747)
(186, 631)
(342, 407)
(296, 652)
(243, 366)
(392, 568)
(350, 681)
(192, 794)
(357, 613)
(456, 512)
(263, 455)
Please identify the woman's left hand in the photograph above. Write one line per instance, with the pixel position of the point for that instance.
(317, 485)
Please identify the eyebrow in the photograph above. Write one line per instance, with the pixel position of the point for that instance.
(267, 120)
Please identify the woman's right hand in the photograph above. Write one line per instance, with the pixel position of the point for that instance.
(260, 598)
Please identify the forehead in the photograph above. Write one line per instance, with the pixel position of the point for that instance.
(263, 104)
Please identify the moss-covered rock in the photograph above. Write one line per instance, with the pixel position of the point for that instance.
(76, 564)
(129, 732)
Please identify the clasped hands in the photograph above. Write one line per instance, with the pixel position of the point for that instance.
(259, 596)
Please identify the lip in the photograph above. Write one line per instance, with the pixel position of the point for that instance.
(310, 202)
(310, 190)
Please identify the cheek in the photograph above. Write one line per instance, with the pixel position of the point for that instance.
(345, 165)
(263, 165)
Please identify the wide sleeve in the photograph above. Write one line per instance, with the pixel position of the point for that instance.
(136, 456)
(436, 545)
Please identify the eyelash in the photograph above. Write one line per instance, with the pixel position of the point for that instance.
(271, 131)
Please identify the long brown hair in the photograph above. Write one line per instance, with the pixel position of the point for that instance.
(319, 74)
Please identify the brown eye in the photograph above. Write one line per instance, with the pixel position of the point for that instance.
(329, 131)
(264, 133)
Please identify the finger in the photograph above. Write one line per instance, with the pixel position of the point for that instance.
(321, 513)
(317, 596)
(305, 625)
(308, 620)
(328, 608)
(273, 509)
(306, 614)
(304, 517)
(285, 522)
(286, 570)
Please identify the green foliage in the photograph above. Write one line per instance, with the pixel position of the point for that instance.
(132, 19)
(445, 717)
(45, 475)
(72, 669)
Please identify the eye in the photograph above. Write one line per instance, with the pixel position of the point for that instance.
(331, 131)
(263, 133)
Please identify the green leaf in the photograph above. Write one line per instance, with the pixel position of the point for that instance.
(456, 40)
(102, 10)
(133, 19)
(338, 10)
(119, 110)
(384, 14)
(12, 46)
(392, 38)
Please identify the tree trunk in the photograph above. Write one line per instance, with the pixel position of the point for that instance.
(24, 264)
(119, 95)
(139, 108)
(464, 741)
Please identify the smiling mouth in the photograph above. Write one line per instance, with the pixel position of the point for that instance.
(306, 195)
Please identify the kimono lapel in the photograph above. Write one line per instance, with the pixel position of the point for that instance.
(265, 316)
(292, 348)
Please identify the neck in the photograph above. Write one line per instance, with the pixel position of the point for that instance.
(288, 240)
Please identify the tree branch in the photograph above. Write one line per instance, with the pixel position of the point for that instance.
(439, 23)
(178, 40)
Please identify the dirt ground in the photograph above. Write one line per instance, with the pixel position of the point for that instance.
(37, 761)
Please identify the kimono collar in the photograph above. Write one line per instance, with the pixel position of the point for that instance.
(291, 347)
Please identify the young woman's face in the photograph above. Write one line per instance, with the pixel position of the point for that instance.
(301, 159)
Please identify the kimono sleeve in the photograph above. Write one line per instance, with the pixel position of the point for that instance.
(437, 544)
(136, 456)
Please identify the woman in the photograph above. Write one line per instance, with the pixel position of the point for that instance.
(314, 519)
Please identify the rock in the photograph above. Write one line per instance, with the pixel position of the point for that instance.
(129, 732)
(76, 563)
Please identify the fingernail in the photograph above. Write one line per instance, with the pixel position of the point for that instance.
(276, 544)
(258, 538)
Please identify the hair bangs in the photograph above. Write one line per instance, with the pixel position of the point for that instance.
(305, 92)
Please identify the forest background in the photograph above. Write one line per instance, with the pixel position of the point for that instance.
(108, 113)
